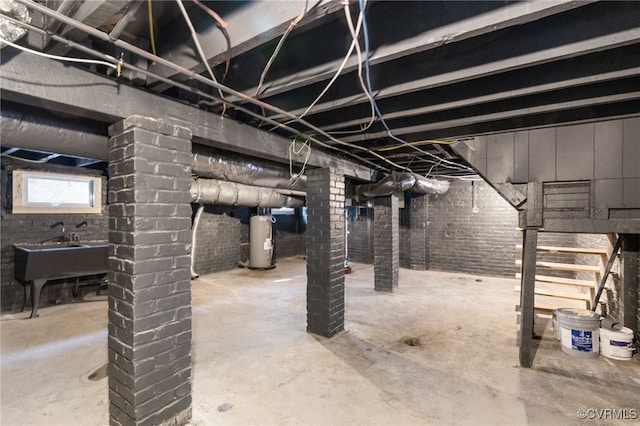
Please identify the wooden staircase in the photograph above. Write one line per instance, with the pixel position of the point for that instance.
(554, 292)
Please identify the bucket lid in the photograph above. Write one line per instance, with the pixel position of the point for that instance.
(625, 332)
(577, 314)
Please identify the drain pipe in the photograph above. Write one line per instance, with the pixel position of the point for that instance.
(194, 232)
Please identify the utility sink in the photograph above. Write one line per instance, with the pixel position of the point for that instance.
(40, 263)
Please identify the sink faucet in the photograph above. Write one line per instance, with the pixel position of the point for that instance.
(73, 237)
(55, 225)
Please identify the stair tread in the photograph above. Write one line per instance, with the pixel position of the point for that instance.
(563, 281)
(557, 249)
(560, 294)
(565, 266)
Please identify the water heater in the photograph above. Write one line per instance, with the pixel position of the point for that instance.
(260, 242)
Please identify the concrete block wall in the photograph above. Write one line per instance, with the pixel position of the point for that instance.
(36, 228)
(149, 343)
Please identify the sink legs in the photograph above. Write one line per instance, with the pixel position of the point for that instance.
(36, 289)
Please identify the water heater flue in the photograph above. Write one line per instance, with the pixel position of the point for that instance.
(261, 242)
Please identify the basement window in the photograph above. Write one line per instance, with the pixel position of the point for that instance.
(45, 192)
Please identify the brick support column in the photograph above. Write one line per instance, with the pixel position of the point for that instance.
(325, 252)
(418, 236)
(149, 279)
(386, 243)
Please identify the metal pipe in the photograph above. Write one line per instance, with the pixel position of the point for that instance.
(243, 171)
(194, 232)
(124, 21)
(50, 135)
(400, 182)
(396, 182)
(425, 185)
(149, 56)
(109, 58)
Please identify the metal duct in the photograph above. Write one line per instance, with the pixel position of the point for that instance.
(425, 185)
(212, 191)
(400, 182)
(241, 171)
(396, 182)
(8, 30)
(52, 135)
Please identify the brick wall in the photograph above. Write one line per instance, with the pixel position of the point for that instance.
(359, 243)
(386, 244)
(481, 242)
(149, 343)
(460, 240)
(405, 234)
(223, 237)
(36, 228)
(288, 232)
(325, 252)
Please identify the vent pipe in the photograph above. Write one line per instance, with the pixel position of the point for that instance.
(213, 191)
(425, 185)
(400, 182)
(8, 30)
(245, 172)
(396, 182)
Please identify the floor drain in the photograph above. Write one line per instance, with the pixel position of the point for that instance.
(99, 374)
(411, 341)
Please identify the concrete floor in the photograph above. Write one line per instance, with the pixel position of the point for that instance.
(254, 363)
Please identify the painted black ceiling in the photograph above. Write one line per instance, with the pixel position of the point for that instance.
(439, 71)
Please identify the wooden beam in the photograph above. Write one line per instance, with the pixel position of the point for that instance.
(44, 83)
(527, 295)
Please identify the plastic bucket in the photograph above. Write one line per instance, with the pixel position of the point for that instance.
(579, 332)
(616, 344)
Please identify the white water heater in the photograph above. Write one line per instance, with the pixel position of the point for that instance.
(260, 242)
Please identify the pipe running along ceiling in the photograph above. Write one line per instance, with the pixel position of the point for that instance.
(385, 84)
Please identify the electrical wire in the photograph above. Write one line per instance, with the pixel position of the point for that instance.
(203, 57)
(59, 58)
(290, 28)
(13, 157)
(354, 43)
(183, 86)
(209, 82)
(295, 177)
(424, 142)
(365, 32)
(463, 178)
(152, 36)
(222, 26)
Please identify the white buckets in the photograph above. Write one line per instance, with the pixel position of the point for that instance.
(579, 332)
(616, 344)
